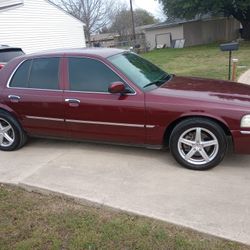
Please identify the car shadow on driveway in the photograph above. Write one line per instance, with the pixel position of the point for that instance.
(126, 151)
(162, 156)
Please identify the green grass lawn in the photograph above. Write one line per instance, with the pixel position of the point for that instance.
(203, 61)
(34, 221)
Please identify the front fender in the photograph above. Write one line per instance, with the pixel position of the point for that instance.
(205, 115)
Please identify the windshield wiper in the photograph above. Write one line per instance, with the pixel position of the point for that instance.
(159, 82)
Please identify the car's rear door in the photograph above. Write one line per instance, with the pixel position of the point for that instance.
(34, 93)
(92, 113)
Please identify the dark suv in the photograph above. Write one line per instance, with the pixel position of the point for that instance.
(8, 53)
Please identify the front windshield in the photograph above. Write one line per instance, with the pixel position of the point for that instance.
(138, 70)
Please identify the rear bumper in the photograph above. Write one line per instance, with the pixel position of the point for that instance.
(241, 140)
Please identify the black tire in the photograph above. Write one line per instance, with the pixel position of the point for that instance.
(210, 132)
(16, 132)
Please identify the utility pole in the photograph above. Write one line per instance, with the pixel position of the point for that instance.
(133, 22)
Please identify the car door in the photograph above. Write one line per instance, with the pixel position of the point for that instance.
(35, 95)
(92, 113)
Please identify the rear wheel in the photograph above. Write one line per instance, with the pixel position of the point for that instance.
(198, 144)
(11, 134)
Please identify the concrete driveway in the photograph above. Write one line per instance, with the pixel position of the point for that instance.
(141, 181)
(245, 78)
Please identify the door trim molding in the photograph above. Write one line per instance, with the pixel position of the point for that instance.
(111, 124)
(90, 122)
(44, 118)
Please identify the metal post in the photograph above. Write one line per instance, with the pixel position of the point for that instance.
(230, 65)
(133, 21)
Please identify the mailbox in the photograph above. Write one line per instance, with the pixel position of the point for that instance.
(229, 46)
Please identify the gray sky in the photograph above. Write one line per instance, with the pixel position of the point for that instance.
(151, 6)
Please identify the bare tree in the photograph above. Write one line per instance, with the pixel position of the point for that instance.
(96, 14)
(122, 23)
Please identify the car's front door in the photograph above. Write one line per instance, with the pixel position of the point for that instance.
(35, 95)
(92, 113)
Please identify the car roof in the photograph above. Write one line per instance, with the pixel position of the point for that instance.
(8, 48)
(97, 52)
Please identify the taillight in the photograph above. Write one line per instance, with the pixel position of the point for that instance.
(1, 66)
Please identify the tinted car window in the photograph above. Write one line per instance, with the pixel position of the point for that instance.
(90, 75)
(20, 78)
(137, 69)
(7, 55)
(44, 73)
(38, 73)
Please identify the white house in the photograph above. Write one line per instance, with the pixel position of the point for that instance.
(36, 25)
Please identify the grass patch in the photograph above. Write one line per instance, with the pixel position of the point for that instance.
(202, 61)
(34, 221)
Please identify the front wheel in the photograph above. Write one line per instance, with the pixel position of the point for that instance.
(198, 144)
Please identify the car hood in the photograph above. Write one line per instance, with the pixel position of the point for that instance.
(207, 90)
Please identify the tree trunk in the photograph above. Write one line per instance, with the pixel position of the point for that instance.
(245, 32)
(88, 38)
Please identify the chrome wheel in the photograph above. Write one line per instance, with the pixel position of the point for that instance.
(198, 146)
(7, 134)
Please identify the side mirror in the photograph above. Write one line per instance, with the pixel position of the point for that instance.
(117, 88)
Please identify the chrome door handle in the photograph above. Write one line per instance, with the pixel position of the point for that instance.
(14, 98)
(73, 101)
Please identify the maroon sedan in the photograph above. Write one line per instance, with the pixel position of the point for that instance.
(113, 95)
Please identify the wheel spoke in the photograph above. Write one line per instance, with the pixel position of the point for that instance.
(7, 133)
(190, 154)
(1, 139)
(6, 129)
(8, 138)
(204, 155)
(209, 143)
(187, 142)
(198, 135)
